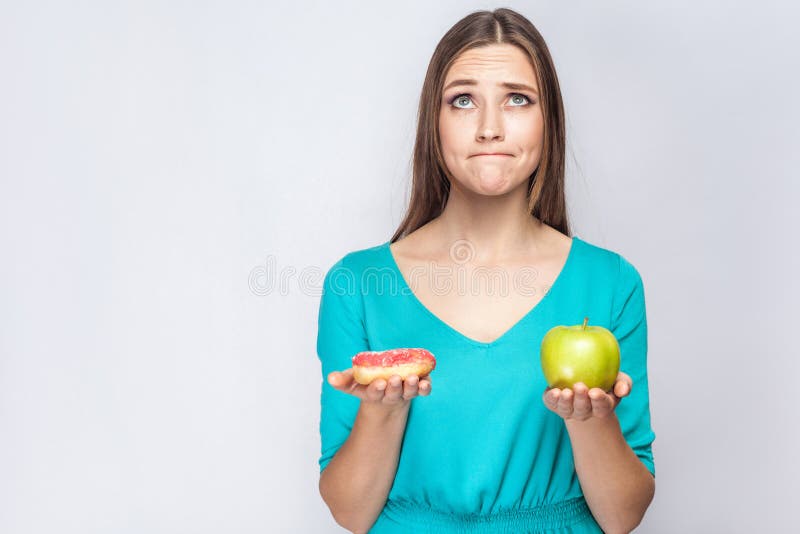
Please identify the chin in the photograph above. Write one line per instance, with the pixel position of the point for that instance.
(504, 188)
(501, 187)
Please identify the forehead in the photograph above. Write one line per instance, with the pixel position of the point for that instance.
(495, 63)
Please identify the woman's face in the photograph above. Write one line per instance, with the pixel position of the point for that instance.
(485, 116)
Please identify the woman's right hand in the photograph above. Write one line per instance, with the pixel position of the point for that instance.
(392, 394)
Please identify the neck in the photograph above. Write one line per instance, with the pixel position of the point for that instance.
(496, 227)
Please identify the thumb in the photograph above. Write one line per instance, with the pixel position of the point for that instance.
(339, 379)
(623, 385)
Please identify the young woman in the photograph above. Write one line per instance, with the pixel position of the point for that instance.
(493, 449)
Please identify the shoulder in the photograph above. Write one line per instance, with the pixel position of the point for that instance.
(350, 269)
(619, 278)
(606, 262)
(360, 257)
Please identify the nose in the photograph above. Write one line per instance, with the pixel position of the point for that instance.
(491, 126)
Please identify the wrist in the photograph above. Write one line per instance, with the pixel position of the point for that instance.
(384, 412)
(592, 423)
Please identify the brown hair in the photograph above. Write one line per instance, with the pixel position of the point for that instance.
(430, 181)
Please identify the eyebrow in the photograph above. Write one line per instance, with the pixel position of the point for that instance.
(507, 85)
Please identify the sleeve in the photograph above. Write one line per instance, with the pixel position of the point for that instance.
(629, 326)
(340, 335)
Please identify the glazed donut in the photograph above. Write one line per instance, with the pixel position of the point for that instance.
(371, 365)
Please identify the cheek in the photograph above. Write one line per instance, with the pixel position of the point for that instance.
(449, 133)
(452, 146)
(529, 131)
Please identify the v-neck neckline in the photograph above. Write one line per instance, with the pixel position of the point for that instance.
(408, 291)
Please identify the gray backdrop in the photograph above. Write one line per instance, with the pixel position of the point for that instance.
(177, 176)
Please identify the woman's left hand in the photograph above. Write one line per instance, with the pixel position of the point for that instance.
(583, 403)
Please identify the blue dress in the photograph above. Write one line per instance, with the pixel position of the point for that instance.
(482, 454)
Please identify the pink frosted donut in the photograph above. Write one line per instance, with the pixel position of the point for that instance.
(371, 365)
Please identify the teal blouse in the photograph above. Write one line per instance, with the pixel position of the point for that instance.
(482, 453)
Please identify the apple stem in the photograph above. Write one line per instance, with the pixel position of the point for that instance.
(585, 320)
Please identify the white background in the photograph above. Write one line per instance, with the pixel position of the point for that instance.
(155, 155)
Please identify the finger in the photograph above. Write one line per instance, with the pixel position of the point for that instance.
(376, 389)
(394, 391)
(551, 397)
(565, 406)
(623, 386)
(582, 405)
(602, 402)
(410, 387)
(425, 387)
(333, 378)
(341, 380)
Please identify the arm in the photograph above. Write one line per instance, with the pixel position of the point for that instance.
(361, 426)
(611, 436)
(617, 486)
(356, 482)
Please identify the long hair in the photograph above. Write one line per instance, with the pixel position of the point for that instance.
(431, 178)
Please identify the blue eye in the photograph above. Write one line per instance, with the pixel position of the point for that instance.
(468, 97)
(520, 96)
(457, 99)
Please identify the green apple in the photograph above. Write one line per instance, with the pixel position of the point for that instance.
(580, 353)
